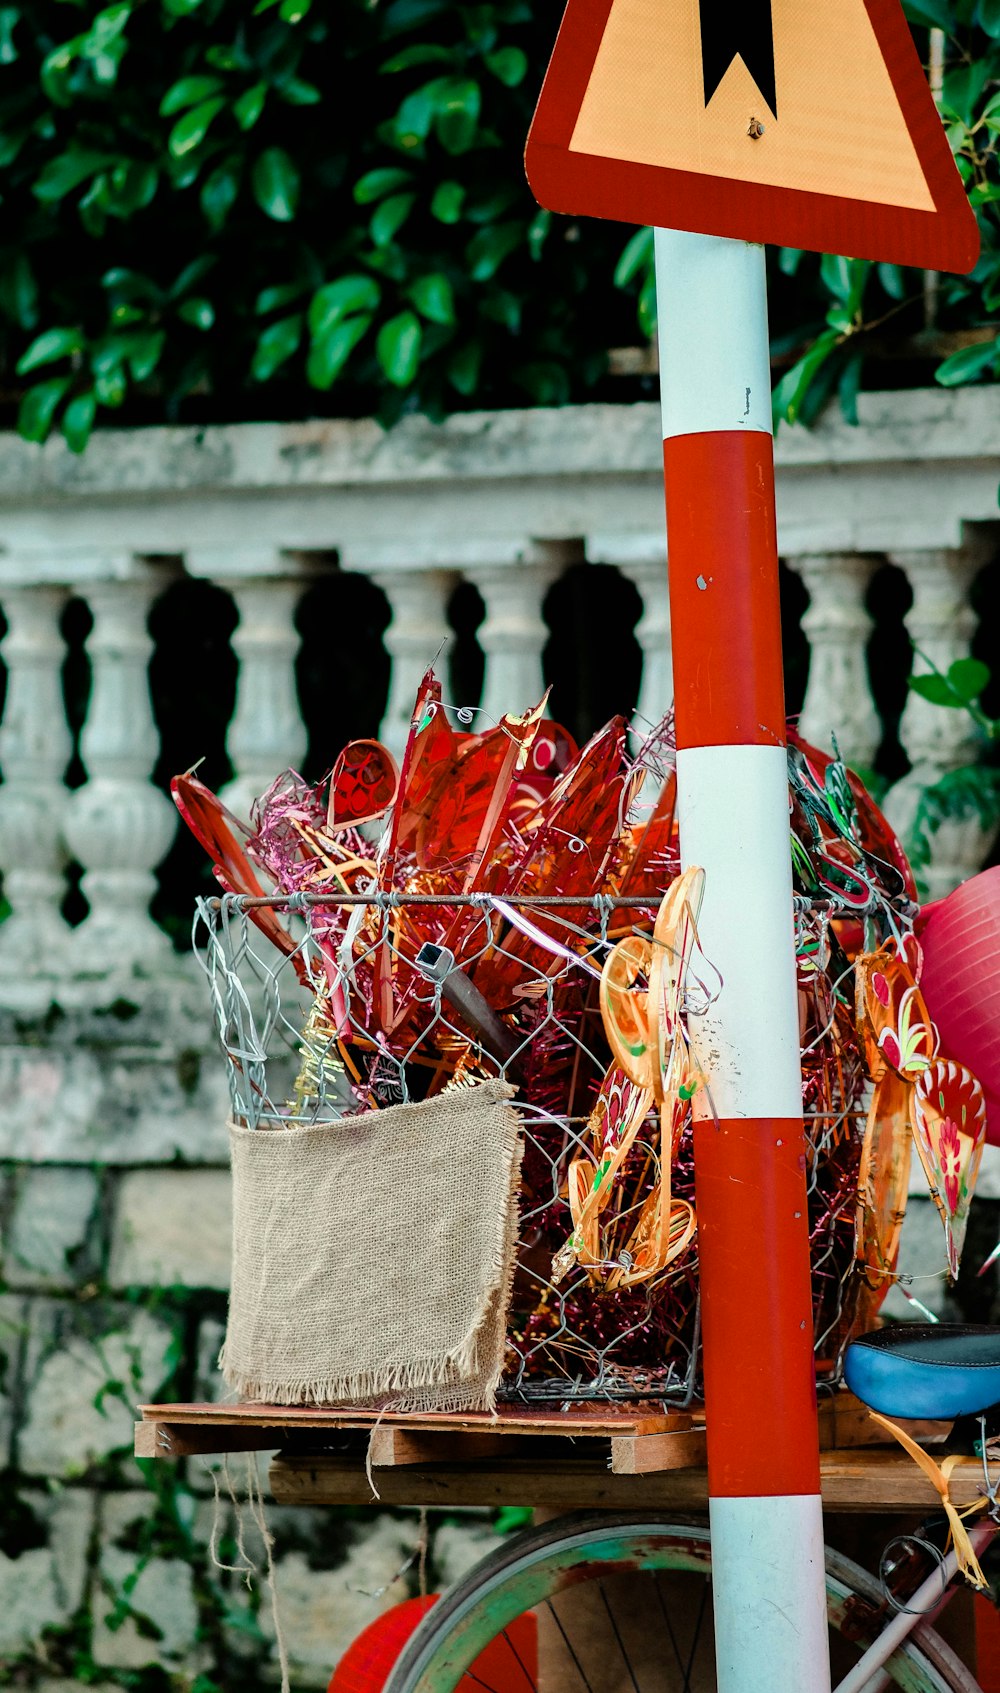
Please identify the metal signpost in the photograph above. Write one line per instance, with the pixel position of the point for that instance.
(723, 126)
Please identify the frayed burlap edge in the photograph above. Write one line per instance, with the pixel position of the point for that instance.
(429, 1383)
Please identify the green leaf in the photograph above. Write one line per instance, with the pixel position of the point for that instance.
(510, 64)
(538, 230)
(790, 393)
(52, 344)
(963, 89)
(9, 18)
(339, 299)
(933, 14)
(892, 280)
(11, 141)
(935, 688)
(276, 184)
(199, 313)
(434, 298)
(193, 273)
(144, 354)
(131, 186)
(789, 260)
(189, 91)
(968, 677)
(412, 123)
(247, 109)
(331, 351)
(190, 130)
(845, 279)
(967, 363)
(503, 307)
(397, 348)
(489, 247)
(457, 115)
(111, 387)
(446, 205)
(276, 345)
(637, 255)
(181, 8)
(376, 183)
(293, 11)
(55, 71)
(19, 291)
(848, 386)
(280, 294)
(420, 53)
(67, 171)
(646, 310)
(78, 420)
(545, 381)
(38, 408)
(389, 217)
(219, 191)
(130, 284)
(988, 17)
(463, 368)
(298, 93)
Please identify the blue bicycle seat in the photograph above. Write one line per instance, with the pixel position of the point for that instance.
(934, 1370)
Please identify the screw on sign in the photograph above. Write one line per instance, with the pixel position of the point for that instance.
(724, 124)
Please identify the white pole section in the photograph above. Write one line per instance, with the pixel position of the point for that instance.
(763, 1444)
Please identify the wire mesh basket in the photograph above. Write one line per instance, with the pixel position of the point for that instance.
(480, 985)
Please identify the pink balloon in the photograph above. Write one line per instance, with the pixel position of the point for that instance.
(961, 982)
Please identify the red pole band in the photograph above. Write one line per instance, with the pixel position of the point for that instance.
(724, 608)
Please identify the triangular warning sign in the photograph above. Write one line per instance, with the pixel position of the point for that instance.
(804, 122)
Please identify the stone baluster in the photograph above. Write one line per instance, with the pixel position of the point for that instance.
(937, 738)
(418, 635)
(643, 560)
(118, 826)
(266, 734)
(838, 698)
(513, 633)
(35, 747)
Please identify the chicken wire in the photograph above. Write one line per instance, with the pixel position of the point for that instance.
(290, 1060)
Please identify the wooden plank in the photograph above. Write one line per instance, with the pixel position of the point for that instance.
(204, 1428)
(867, 1480)
(845, 1421)
(564, 1484)
(393, 1446)
(593, 1418)
(643, 1454)
(189, 1440)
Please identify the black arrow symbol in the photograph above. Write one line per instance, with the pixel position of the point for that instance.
(738, 28)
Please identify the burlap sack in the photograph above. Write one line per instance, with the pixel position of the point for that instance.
(373, 1257)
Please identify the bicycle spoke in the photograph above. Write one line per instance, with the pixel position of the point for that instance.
(697, 1636)
(479, 1681)
(669, 1627)
(569, 1645)
(621, 1643)
(521, 1663)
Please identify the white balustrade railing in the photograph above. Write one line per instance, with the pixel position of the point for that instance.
(506, 502)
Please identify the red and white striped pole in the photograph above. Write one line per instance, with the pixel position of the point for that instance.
(732, 796)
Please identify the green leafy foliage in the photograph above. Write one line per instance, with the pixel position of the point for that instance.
(856, 303)
(183, 180)
(973, 790)
(204, 199)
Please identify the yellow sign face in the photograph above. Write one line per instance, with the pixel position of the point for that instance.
(803, 122)
(839, 128)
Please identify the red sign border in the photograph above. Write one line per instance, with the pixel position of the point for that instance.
(584, 184)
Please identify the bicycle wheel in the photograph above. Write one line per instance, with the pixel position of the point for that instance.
(623, 1602)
